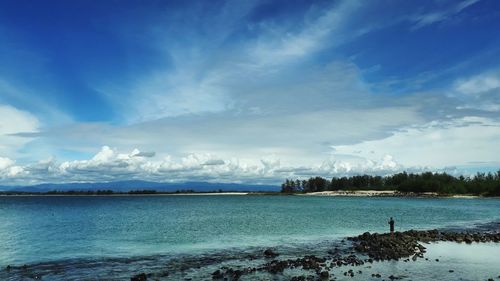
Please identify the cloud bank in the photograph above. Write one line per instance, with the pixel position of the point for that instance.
(248, 92)
(110, 165)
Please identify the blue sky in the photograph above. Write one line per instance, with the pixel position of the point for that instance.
(246, 91)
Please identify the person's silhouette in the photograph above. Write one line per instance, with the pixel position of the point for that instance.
(391, 226)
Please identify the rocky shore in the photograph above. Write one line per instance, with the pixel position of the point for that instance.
(366, 248)
(405, 244)
(360, 256)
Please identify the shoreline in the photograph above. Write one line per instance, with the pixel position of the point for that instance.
(363, 256)
(361, 251)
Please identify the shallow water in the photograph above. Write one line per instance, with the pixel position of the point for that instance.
(115, 236)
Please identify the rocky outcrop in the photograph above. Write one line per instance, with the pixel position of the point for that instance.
(405, 244)
(139, 277)
(269, 253)
(364, 250)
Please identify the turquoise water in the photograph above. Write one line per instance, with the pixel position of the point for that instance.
(63, 228)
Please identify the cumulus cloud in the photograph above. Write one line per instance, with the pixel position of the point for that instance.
(110, 165)
(8, 169)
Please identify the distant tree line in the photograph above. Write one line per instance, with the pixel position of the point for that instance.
(92, 192)
(79, 192)
(442, 183)
(97, 192)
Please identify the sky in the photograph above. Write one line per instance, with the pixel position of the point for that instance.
(246, 91)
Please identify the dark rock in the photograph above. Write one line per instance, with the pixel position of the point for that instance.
(269, 253)
(468, 240)
(139, 277)
(217, 274)
(236, 275)
(276, 266)
(324, 274)
(451, 270)
(405, 244)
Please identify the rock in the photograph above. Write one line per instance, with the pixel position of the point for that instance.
(468, 240)
(236, 275)
(451, 270)
(269, 253)
(217, 274)
(405, 244)
(139, 277)
(276, 266)
(324, 274)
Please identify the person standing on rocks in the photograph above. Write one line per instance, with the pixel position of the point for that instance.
(391, 226)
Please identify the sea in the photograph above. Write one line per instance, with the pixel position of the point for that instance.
(187, 237)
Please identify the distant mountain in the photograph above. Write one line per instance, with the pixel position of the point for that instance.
(125, 186)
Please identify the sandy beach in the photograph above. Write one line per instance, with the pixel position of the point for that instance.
(354, 193)
(209, 193)
(382, 193)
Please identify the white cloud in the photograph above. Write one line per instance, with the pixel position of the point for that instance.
(479, 92)
(478, 85)
(12, 121)
(223, 78)
(436, 144)
(433, 146)
(5, 163)
(298, 138)
(110, 165)
(8, 169)
(279, 46)
(264, 108)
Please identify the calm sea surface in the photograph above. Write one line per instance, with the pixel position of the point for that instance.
(117, 230)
